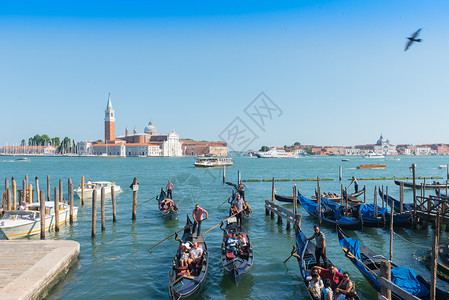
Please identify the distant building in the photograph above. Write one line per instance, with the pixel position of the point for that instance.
(28, 150)
(149, 143)
(384, 147)
(352, 151)
(195, 148)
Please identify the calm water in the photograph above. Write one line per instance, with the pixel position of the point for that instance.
(117, 265)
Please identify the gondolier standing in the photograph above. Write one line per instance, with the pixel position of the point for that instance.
(320, 242)
(169, 188)
(198, 218)
(241, 188)
(356, 184)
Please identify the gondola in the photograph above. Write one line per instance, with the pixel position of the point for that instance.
(184, 282)
(237, 267)
(329, 215)
(246, 214)
(397, 204)
(307, 259)
(418, 185)
(368, 262)
(280, 198)
(168, 212)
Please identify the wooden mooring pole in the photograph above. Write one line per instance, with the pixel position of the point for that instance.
(56, 208)
(391, 231)
(135, 188)
(30, 193)
(94, 212)
(25, 192)
(103, 222)
(375, 202)
(42, 214)
(401, 197)
(70, 196)
(61, 194)
(383, 197)
(239, 177)
(340, 173)
(8, 198)
(6, 183)
(37, 190)
(272, 196)
(48, 187)
(385, 272)
(224, 174)
(319, 199)
(82, 190)
(364, 194)
(434, 259)
(114, 207)
(14, 194)
(414, 194)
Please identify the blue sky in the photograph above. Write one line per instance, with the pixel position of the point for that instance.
(336, 69)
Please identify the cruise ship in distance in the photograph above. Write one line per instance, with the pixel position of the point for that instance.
(275, 153)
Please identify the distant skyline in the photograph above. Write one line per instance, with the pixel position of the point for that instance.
(336, 70)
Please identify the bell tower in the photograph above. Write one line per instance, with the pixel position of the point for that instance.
(109, 122)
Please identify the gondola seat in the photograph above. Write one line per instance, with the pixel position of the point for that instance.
(244, 254)
(230, 255)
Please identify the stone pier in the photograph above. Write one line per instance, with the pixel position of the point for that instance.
(29, 269)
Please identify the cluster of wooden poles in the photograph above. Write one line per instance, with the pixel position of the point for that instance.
(13, 198)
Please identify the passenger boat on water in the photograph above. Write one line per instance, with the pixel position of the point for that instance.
(184, 282)
(236, 264)
(96, 186)
(23, 223)
(368, 263)
(373, 155)
(211, 162)
(307, 260)
(372, 166)
(166, 206)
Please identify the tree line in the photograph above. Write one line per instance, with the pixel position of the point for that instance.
(63, 146)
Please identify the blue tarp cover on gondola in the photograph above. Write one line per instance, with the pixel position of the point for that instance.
(353, 246)
(406, 279)
(367, 210)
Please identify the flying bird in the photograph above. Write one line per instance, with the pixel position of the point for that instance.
(413, 39)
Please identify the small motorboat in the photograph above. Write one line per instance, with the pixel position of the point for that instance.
(372, 166)
(345, 159)
(23, 223)
(96, 186)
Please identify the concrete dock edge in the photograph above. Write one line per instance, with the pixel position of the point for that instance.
(29, 269)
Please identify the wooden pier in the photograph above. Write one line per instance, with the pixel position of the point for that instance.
(29, 269)
(272, 209)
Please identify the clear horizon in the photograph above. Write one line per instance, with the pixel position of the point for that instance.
(336, 70)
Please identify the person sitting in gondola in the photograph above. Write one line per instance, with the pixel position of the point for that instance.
(167, 203)
(232, 243)
(186, 245)
(196, 253)
(348, 213)
(185, 259)
(344, 288)
(331, 273)
(315, 286)
(243, 242)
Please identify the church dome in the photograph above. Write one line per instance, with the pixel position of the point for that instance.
(380, 140)
(150, 129)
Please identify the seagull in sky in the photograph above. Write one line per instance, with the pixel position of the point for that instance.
(412, 39)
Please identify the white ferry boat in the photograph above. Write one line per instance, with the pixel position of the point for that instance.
(275, 153)
(373, 155)
(96, 186)
(210, 162)
(23, 223)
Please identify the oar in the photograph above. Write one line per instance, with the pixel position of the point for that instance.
(225, 201)
(347, 252)
(169, 236)
(223, 221)
(148, 200)
(294, 250)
